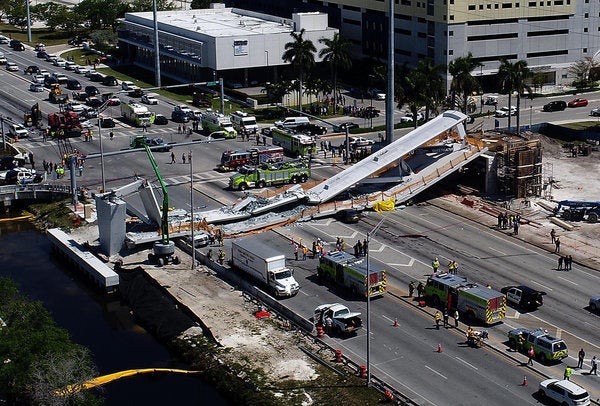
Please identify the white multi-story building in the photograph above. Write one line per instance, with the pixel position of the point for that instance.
(203, 45)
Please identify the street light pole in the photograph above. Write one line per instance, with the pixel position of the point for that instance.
(101, 154)
(192, 207)
(369, 235)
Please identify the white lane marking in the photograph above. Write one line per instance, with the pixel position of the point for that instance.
(543, 286)
(410, 263)
(498, 251)
(467, 363)
(435, 372)
(593, 345)
(566, 280)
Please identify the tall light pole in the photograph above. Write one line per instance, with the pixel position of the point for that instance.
(156, 47)
(192, 207)
(389, 100)
(369, 235)
(28, 22)
(101, 153)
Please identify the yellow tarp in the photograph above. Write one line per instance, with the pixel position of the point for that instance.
(385, 205)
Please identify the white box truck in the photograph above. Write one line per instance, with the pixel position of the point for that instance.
(264, 263)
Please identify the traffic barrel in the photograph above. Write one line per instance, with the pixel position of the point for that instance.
(524, 380)
(439, 348)
(320, 332)
(396, 322)
(362, 371)
(389, 395)
(338, 355)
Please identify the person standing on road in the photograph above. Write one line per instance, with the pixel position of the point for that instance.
(594, 366)
(183, 157)
(411, 288)
(553, 236)
(557, 244)
(580, 356)
(438, 319)
(569, 262)
(531, 355)
(172, 157)
(446, 325)
(560, 262)
(435, 264)
(420, 289)
(567, 374)
(456, 318)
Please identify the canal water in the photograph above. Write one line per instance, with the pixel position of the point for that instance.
(101, 323)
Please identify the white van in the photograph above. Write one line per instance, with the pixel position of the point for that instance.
(292, 122)
(17, 130)
(243, 122)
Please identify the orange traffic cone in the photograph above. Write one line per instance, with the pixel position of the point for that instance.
(389, 395)
(524, 380)
(439, 348)
(395, 322)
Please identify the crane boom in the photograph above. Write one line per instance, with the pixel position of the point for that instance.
(164, 224)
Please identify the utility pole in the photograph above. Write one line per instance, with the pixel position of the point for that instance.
(192, 207)
(389, 100)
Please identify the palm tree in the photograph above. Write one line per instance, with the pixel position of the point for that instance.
(433, 90)
(336, 53)
(300, 53)
(512, 78)
(463, 82)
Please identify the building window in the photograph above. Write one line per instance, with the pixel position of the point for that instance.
(489, 6)
(548, 3)
(451, 33)
(444, 17)
(516, 5)
(451, 1)
(558, 3)
(541, 4)
(585, 50)
(586, 15)
(471, 7)
(585, 29)
(450, 52)
(532, 4)
(451, 18)
(506, 5)
(481, 7)
(496, 6)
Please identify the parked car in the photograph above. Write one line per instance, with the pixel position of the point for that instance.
(113, 101)
(524, 296)
(22, 176)
(128, 85)
(17, 45)
(579, 102)
(4, 40)
(159, 119)
(311, 129)
(360, 141)
(408, 118)
(506, 111)
(81, 70)
(80, 95)
(564, 392)
(60, 62)
(96, 77)
(110, 81)
(556, 105)
(3, 60)
(49, 80)
(594, 303)
(12, 67)
(51, 57)
(158, 144)
(93, 102)
(73, 84)
(37, 87)
(39, 47)
(342, 127)
(37, 78)
(92, 90)
(107, 122)
(70, 65)
(32, 69)
(349, 216)
(149, 98)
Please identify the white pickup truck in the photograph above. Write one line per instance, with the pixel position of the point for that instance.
(337, 318)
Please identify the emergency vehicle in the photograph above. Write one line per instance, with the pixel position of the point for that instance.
(454, 292)
(346, 270)
(292, 143)
(136, 114)
(242, 122)
(232, 160)
(213, 121)
(269, 174)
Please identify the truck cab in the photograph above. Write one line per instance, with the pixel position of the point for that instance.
(339, 318)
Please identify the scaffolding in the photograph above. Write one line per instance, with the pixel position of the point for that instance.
(519, 163)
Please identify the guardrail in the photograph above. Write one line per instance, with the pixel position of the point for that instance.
(33, 191)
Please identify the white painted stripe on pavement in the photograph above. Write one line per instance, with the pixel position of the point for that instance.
(467, 363)
(435, 372)
(543, 286)
(566, 280)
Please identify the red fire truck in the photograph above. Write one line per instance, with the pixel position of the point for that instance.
(232, 160)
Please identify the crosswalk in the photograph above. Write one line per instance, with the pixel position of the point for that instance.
(204, 177)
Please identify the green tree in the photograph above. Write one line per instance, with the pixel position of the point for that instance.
(512, 78)
(300, 53)
(276, 90)
(582, 70)
(463, 82)
(433, 84)
(101, 14)
(412, 83)
(104, 40)
(337, 54)
(29, 337)
(16, 13)
(146, 5)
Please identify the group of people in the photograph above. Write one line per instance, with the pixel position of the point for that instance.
(420, 289)
(565, 263)
(506, 220)
(445, 315)
(361, 248)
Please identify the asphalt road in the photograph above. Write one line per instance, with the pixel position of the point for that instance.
(406, 355)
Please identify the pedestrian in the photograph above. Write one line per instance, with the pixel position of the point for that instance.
(530, 355)
(314, 249)
(359, 249)
(499, 221)
(557, 243)
(304, 252)
(435, 264)
(179, 129)
(209, 255)
(221, 256)
(411, 288)
(567, 374)
(594, 363)
(553, 236)
(455, 267)
(451, 267)
(456, 318)
(516, 227)
(190, 158)
(296, 252)
(365, 247)
(438, 318)
(112, 135)
(570, 261)
(172, 157)
(420, 289)
(580, 357)
(183, 157)
(446, 325)
(560, 262)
